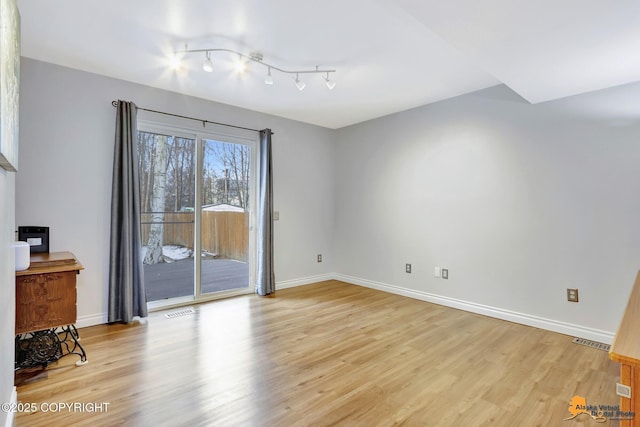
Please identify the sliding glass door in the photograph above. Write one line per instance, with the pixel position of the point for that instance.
(167, 187)
(197, 194)
(225, 215)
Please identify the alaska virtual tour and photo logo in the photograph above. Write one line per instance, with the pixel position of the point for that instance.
(599, 413)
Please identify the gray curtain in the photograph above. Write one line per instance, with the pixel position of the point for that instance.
(126, 275)
(266, 283)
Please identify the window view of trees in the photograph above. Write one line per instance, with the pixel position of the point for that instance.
(226, 174)
(167, 171)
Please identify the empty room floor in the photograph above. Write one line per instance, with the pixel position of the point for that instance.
(324, 354)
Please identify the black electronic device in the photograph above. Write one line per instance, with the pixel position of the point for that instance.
(36, 236)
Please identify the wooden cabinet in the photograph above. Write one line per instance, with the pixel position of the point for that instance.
(46, 310)
(626, 351)
(45, 301)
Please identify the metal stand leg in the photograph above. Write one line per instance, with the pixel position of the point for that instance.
(40, 348)
(69, 339)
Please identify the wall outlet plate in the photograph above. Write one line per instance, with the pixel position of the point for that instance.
(623, 390)
(319, 257)
(445, 273)
(407, 268)
(572, 295)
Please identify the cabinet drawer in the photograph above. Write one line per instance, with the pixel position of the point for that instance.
(45, 301)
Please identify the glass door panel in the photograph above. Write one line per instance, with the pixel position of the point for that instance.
(225, 214)
(196, 197)
(166, 165)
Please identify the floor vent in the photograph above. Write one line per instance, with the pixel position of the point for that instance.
(593, 344)
(184, 312)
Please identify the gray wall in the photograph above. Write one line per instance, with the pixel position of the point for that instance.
(67, 130)
(518, 201)
(7, 290)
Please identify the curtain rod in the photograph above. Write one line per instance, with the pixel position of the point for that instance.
(204, 122)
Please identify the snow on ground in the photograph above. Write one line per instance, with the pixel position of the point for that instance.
(172, 253)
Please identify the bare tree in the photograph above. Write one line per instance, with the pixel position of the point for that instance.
(145, 168)
(235, 158)
(180, 174)
(158, 198)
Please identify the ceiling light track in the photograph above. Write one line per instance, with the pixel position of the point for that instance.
(258, 58)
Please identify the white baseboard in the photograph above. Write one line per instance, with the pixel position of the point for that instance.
(11, 414)
(304, 281)
(498, 313)
(92, 320)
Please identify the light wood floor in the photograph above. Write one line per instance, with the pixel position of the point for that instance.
(324, 354)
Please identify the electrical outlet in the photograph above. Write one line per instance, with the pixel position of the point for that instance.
(623, 390)
(407, 268)
(319, 257)
(276, 215)
(445, 273)
(572, 295)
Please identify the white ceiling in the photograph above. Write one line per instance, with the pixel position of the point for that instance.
(390, 55)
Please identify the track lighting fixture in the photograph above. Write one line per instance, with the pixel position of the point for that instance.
(257, 57)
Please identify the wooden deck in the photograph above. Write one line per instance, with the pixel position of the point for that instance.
(171, 280)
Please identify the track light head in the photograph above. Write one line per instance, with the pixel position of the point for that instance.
(300, 85)
(330, 83)
(241, 66)
(174, 62)
(208, 65)
(268, 80)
